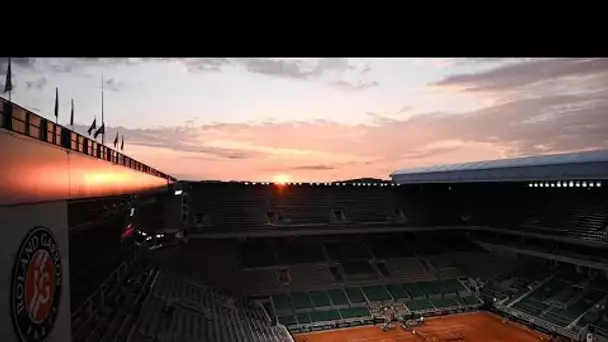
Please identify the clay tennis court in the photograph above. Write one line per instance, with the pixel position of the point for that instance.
(472, 327)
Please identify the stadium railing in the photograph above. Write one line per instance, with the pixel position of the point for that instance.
(574, 336)
(19, 120)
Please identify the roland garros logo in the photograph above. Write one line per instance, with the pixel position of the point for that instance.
(36, 286)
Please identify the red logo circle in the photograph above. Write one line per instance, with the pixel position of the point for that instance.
(36, 286)
(40, 286)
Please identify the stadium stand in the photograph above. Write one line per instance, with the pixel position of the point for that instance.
(263, 260)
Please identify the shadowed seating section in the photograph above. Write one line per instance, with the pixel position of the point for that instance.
(408, 269)
(385, 247)
(249, 207)
(449, 286)
(260, 281)
(186, 309)
(347, 250)
(306, 277)
(257, 254)
(358, 269)
(295, 253)
(282, 304)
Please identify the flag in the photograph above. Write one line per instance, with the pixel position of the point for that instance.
(122, 143)
(93, 126)
(116, 140)
(8, 85)
(101, 130)
(56, 102)
(72, 115)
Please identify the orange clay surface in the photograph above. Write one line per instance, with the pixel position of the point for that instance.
(471, 327)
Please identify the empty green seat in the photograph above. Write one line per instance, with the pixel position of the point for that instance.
(558, 318)
(442, 303)
(326, 315)
(355, 312)
(419, 305)
(428, 288)
(337, 297)
(282, 303)
(303, 318)
(301, 300)
(288, 320)
(461, 301)
(376, 293)
(413, 290)
(355, 295)
(453, 285)
(472, 300)
(397, 291)
(320, 298)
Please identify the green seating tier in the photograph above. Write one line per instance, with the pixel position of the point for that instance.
(320, 299)
(282, 303)
(397, 291)
(413, 290)
(531, 306)
(471, 300)
(288, 320)
(442, 303)
(376, 293)
(337, 297)
(355, 295)
(303, 318)
(301, 300)
(355, 312)
(326, 315)
(558, 318)
(419, 305)
(454, 285)
(428, 288)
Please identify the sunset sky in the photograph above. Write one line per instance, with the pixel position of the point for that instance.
(324, 119)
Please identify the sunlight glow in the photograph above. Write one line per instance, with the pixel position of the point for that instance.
(282, 179)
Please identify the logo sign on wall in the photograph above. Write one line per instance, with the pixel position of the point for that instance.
(36, 286)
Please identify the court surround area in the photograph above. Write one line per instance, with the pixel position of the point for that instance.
(470, 327)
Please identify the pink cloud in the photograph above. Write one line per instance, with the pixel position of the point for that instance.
(534, 114)
(325, 150)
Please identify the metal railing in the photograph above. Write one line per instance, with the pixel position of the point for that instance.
(19, 120)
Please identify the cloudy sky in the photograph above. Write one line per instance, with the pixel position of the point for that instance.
(325, 119)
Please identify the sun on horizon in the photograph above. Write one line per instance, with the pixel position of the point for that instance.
(282, 179)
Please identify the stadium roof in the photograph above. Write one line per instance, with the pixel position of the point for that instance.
(580, 165)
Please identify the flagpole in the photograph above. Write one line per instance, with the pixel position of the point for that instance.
(57, 106)
(10, 92)
(103, 133)
(9, 71)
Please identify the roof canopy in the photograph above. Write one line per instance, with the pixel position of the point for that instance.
(580, 165)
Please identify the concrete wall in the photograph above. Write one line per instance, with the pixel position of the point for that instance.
(34, 171)
(16, 278)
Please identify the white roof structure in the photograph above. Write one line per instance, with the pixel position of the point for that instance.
(579, 165)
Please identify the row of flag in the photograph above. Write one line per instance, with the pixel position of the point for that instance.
(93, 130)
(102, 130)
